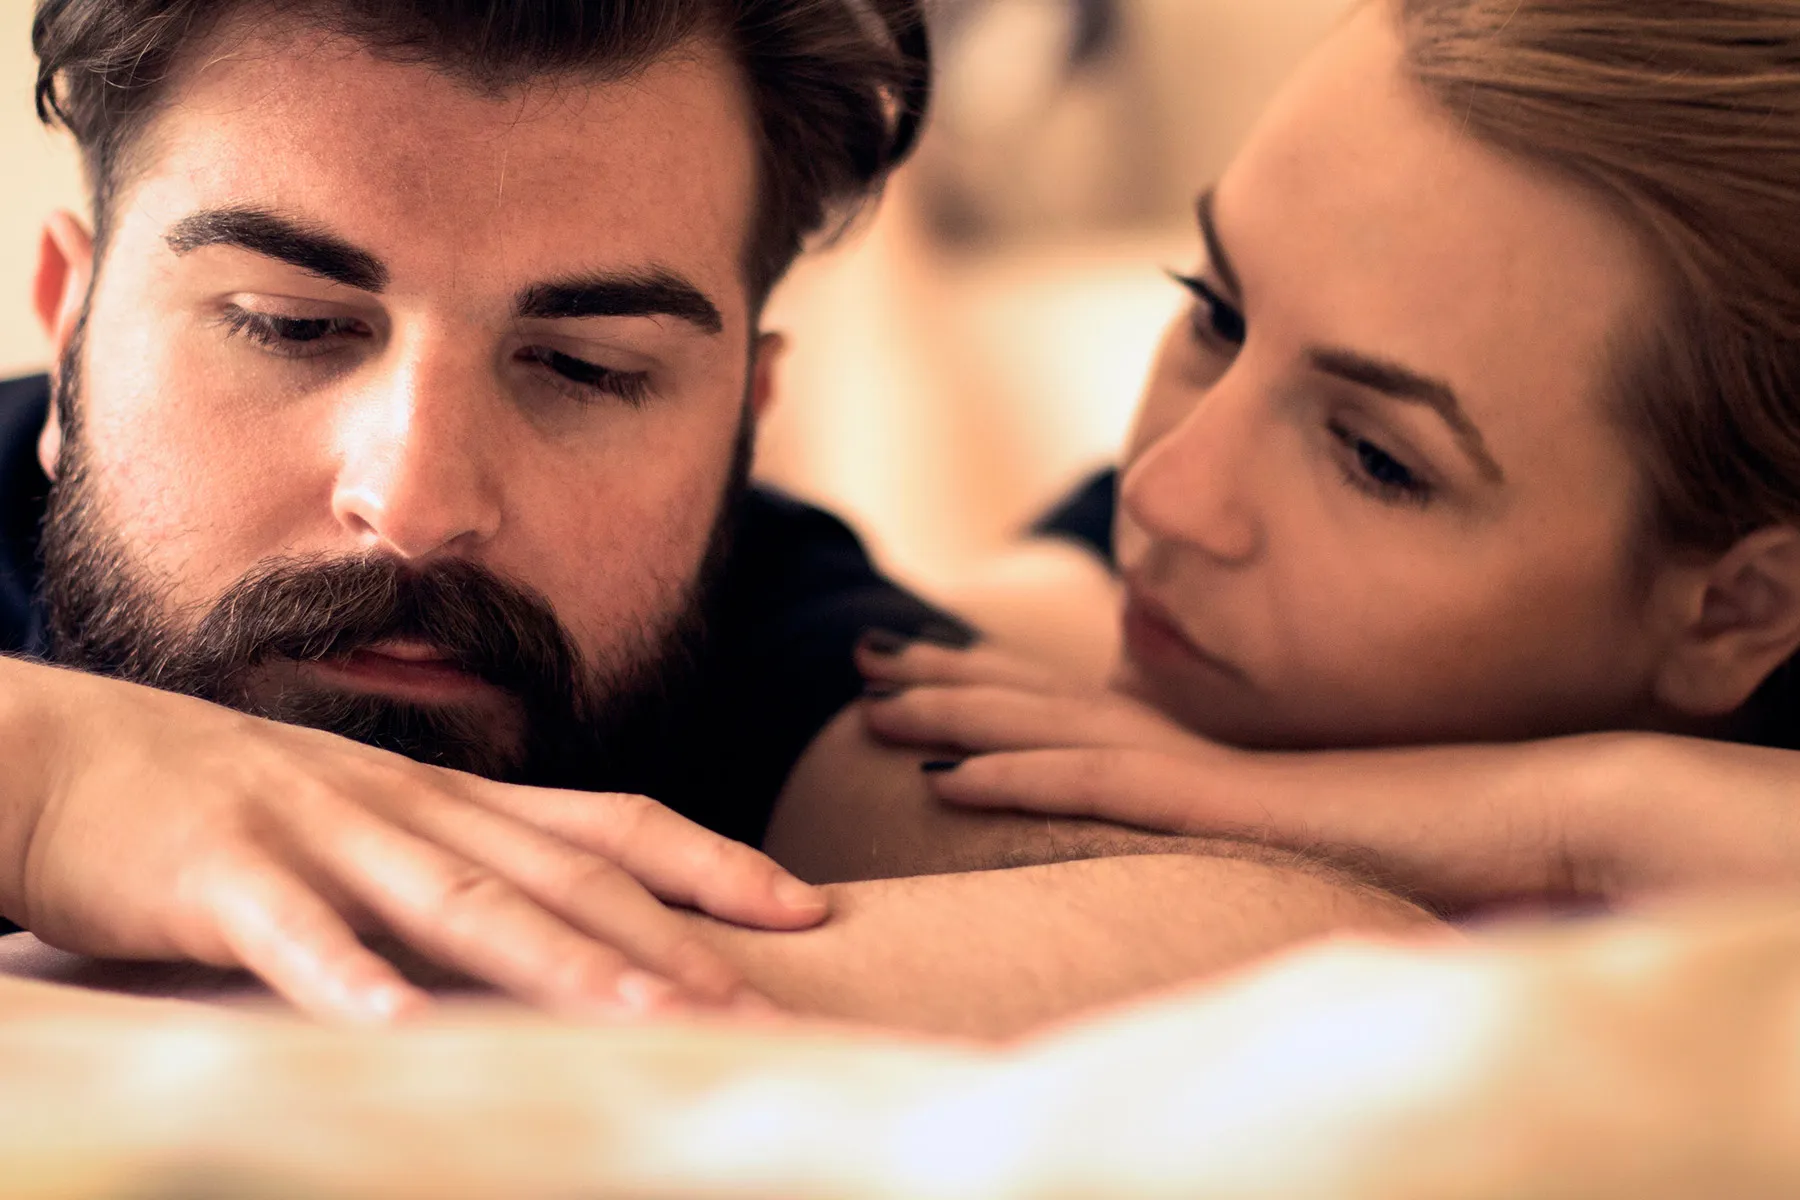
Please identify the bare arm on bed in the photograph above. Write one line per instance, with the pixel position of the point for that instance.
(1008, 922)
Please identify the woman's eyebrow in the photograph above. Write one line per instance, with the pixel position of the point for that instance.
(1215, 249)
(1402, 383)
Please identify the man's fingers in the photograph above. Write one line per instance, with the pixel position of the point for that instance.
(678, 860)
(466, 916)
(885, 659)
(586, 890)
(275, 927)
(981, 719)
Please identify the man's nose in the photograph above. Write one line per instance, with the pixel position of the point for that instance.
(1194, 485)
(417, 475)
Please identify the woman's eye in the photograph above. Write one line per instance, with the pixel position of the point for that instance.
(588, 380)
(1377, 472)
(296, 337)
(1224, 321)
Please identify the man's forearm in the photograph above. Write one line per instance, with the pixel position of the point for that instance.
(996, 953)
(990, 924)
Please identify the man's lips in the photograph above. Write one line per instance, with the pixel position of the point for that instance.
(403, 670)
(1154, 638)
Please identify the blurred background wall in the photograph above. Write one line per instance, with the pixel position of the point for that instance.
(978, 342)
(37, 175)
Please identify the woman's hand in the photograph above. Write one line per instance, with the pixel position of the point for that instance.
(981, 700)
(1598, 818)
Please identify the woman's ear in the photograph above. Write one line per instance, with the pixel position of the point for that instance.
(65, 271)
(1743, 622)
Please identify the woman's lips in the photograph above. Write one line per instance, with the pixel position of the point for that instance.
(404, 671)
(1154, 639)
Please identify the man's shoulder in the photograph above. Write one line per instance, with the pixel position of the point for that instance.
(1085, 516)
(805, 569)
(799, 591)
(23, 488)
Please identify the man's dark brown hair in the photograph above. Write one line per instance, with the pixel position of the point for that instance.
(838, 87)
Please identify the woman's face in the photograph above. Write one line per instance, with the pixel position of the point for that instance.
(1373, 493)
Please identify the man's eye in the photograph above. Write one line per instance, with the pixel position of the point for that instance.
(294, 336)
(586, 380)
(1224, 321)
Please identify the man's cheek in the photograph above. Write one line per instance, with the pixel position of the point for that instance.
(196, 523)
(630, 568)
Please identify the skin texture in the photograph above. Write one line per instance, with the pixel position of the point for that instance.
(986, 923)
(424, 426)
(998, 953)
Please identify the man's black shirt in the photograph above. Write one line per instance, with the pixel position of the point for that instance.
(1085, 516)
(798, 591)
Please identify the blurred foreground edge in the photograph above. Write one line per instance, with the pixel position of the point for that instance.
(1635, 1058)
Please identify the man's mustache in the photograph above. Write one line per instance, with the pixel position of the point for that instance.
(313, 611)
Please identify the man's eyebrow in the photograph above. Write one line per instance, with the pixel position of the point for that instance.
(297, 243)
(1403, 383)
(656, 293)
(1215, 249)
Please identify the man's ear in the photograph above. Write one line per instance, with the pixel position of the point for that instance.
(65, 271)
(1744, 621)
(769, 349)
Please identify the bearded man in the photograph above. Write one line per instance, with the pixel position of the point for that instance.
(395, 521)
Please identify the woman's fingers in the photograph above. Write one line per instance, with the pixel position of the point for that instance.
(1131, 787)
(595, 896)
(980, 719)
(274, 926)
(1458, 851)
(678, 860)
(889, 659)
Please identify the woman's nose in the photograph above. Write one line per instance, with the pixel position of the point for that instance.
(1192, 486)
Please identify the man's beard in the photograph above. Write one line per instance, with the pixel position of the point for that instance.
(579, 725)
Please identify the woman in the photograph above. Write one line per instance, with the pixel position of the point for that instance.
(1483, 434)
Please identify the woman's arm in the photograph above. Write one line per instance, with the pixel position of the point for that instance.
(1598, 817)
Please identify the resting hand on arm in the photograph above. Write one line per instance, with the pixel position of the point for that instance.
(1599, 817)
(990, 924)
(139, 824)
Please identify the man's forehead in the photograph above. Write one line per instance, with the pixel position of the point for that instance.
(433, 174)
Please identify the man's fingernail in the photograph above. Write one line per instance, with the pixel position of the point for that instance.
(942, 766)
(385, 1005)
(796, 894)
(882, 691)
(952, 635)
(640, 992)
(884, 642)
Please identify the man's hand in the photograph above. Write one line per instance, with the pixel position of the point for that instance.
(139, 824)
(1603, 817)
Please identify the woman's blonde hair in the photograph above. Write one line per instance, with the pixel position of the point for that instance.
(1686, 115)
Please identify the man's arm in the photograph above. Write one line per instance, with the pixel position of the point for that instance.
(994, 954)
(144, 825)
(1009, 921)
